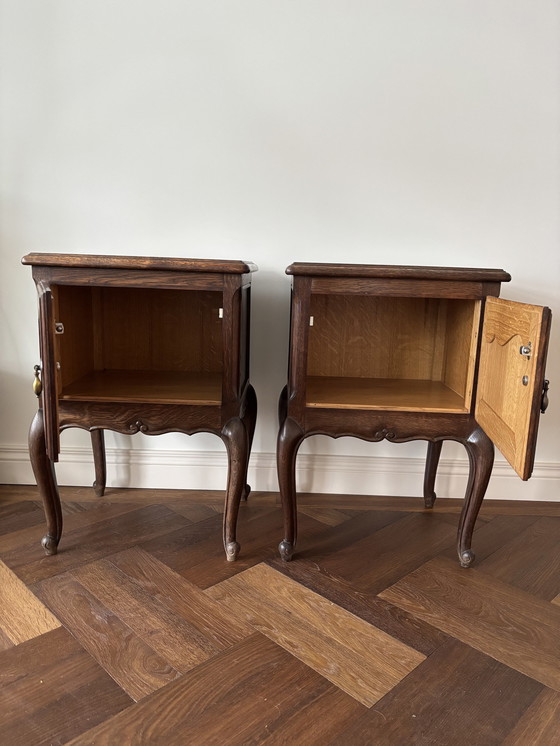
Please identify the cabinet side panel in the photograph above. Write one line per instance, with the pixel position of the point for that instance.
(460, 348)
(75, 346)
(374, 337)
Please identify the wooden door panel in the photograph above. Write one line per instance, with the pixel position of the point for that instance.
(510, 382)
(49, 395)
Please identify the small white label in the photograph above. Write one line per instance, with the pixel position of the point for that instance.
(311, 321)
(220, 313)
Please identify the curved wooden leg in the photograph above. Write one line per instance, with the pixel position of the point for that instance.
(282, 406)
(249, 420)
(98, 446)
(43, 469)
(481, 457)
(432, 461)
(236, 439)
(290, 438)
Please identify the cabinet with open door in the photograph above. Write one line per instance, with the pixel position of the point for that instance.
(413, 353)
(140, 344)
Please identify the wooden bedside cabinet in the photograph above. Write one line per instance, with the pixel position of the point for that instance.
(409, 353)
(138, 344)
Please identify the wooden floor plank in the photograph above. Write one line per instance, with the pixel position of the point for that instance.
(495, 618)
(28, 539)
(19, 515)
(540, 724)
(22, 615)
(362, 660)
(384, 556)
(494, 534)
(385, 616)
(131, 662)
(196, 551)
(51, 690)
(94, 541)
(175, 618)
(530, 560)
(269, 697)
(457, 697)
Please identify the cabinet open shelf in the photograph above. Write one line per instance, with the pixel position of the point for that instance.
(399, 395)
(147, 387)
(400, 354)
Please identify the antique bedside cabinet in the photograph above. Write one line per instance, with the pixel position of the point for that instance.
(138, 344)
(408, 353)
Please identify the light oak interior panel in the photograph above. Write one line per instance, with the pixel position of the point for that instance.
(377, 352)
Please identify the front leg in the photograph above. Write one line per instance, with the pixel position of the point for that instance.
(432, 461)
(43, 469)
(235, 436)
(290, 438)
(481, 458)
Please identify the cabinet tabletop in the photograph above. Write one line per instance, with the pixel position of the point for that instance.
(101, 261)
(390, 271)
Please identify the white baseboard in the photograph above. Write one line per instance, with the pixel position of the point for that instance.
(359, 475)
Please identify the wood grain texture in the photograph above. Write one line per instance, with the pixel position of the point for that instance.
(457, 696)
(51, 690)
(363, 661)
(22, 615)
(247, 681)
(505, 408)
(172, 616)
(201, 674)
(512, 626)
(131, 662)
(322, 269)
(540, 723)
(530, 560)
(95, 541)
(382, 393)
(108, 261)
(146, 386)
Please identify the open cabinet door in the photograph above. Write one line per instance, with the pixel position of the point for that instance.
(49, 395)
(510, 380)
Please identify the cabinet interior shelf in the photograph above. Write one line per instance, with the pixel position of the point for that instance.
(407, 395)
(147, 386)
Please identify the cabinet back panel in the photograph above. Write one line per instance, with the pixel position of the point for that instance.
(393, 338)
(138, 329)
(373, 337)
(152, 330)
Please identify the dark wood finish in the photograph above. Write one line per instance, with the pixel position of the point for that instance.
(104, 261)
(390, 352)
(432, 461)
(52, 690)
(280, 661)
(145, 344)
(99, 460)
(398, 272)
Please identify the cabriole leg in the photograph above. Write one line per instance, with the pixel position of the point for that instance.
(98, 446)
(250, 420)
(43, 469)
(236, 439)
(481, 458)
(289, 441)
(432, 461)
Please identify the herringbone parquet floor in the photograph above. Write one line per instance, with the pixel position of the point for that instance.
(139, 631)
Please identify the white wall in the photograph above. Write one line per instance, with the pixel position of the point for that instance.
(392, 131)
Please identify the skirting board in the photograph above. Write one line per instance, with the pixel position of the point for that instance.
(358, 475)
